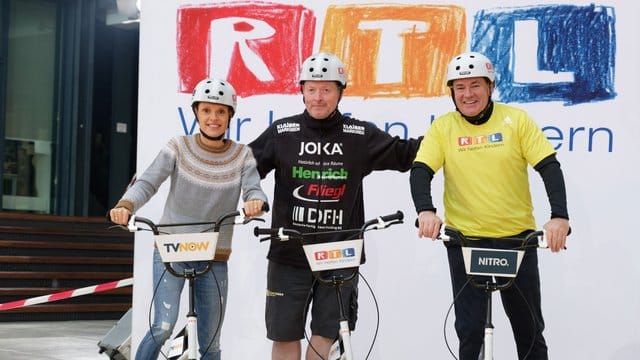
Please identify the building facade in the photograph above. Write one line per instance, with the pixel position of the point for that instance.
(68, 105)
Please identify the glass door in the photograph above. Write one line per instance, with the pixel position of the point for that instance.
(29, 112)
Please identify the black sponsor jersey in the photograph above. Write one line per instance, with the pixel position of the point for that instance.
(319, 167)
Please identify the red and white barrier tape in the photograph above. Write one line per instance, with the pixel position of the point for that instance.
(66, 294)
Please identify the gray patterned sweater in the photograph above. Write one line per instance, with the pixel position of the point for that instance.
(205, 184)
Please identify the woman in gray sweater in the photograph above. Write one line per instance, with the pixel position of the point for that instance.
(208, 174)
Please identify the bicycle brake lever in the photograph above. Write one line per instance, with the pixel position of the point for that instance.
(542, 241)
(131, 225)
(382, 224)
(282, 236)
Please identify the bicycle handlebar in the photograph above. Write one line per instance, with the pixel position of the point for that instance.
(284, 234)
(460, 239)
(454, 236)
(217, 224)
(385, 221)
(131, 226)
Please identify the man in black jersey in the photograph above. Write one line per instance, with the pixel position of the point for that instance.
(320, 158)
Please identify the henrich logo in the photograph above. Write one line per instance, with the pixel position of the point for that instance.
(186, 246)
(288, 127)
(353, 129)
(299, 172)
(317, 148)
(330, 217)
(259, 47)
(335, 254)
(480, 139)
(319, 192)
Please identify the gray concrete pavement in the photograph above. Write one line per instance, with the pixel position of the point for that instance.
(54, 340)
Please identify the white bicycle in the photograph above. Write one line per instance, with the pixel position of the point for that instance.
(320, 258)
(490, 265)
(201, 247)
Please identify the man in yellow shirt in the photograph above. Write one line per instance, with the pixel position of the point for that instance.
(484, 149)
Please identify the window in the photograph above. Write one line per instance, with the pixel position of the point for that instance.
(29, 115)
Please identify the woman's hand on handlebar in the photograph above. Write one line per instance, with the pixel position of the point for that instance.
(556, 231)
(253, 208)
(429, 225)
(119, 215)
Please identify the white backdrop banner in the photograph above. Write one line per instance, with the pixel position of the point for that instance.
(572, 66)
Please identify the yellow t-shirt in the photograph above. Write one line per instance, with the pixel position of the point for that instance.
(486, 182)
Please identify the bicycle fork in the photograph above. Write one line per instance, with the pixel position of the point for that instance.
(487, 347)
(341, 349)
(192, 319)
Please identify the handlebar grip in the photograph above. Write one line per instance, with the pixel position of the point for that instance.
(397, 216)
(257, 231)
(265, 207)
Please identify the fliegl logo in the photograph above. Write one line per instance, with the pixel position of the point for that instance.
(319, 192)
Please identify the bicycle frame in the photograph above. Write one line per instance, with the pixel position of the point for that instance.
(190, 274)
(342, 348)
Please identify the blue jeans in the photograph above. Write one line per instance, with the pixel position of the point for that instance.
(210, 303)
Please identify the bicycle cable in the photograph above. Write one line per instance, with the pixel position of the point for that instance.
(149, 319)
(533, 319)
(375, 301)
(153, 296)
(155, 292)
(377, 307)
(446, 317)
(304, 316)
(219, 326)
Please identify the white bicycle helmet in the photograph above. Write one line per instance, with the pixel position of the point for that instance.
(468, 65)
(323, 67)
(215, 91)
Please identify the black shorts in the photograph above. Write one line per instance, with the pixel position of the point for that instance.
(291, 289)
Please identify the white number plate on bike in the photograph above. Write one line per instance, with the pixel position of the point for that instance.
(187, 247)
(334, 255)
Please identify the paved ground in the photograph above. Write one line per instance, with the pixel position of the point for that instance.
(56, 340)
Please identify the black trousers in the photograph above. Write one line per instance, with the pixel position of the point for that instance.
(521, 303)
